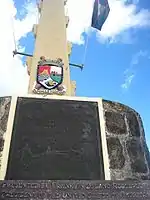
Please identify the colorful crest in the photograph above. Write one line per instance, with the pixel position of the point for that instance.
(50, 73)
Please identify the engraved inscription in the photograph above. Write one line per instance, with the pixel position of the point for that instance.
(106, 190)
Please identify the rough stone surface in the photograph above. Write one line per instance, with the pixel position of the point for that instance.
(134, 129)
(115, 151)
(4, 111)
(136, 154)
(115, 123)
(129, 157)
(147, 154)
(1, 143)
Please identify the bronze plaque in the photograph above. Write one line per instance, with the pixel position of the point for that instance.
(55, 140)
(74, 190)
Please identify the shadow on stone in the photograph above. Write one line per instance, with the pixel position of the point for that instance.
(134, 129)
(135, 151)
(115, 123)
(115, 151)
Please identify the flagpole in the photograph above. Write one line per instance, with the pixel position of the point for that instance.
(85, 51)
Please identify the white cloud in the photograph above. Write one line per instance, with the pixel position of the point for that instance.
(131, 1)
(128, 81)
(24, 26)
(131, 71)
(14, 78)
(123, 17)
(80, 13)
(136, 58)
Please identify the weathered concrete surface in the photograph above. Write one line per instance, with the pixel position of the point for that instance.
(4, 112)
(128, 153)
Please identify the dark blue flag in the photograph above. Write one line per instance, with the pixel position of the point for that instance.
(100, 13)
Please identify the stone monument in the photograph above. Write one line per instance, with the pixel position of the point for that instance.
(77, 147)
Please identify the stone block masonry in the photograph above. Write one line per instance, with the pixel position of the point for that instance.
(4, 112)
(129, 156)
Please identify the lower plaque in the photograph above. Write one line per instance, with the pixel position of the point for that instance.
(44, 190)
(55, 140)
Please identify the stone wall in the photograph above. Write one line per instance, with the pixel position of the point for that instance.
(128, 153)
(4, 111)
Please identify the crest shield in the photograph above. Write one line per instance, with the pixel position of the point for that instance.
(50, 74)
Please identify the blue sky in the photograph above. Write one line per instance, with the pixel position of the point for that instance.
(117, 64)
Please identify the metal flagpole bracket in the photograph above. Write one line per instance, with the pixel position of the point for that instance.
(15, 52)
(76, 65)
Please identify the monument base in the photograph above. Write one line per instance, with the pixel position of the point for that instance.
(76, 138)
(63, 136)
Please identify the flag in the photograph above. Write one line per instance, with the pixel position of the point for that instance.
(100, 13)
